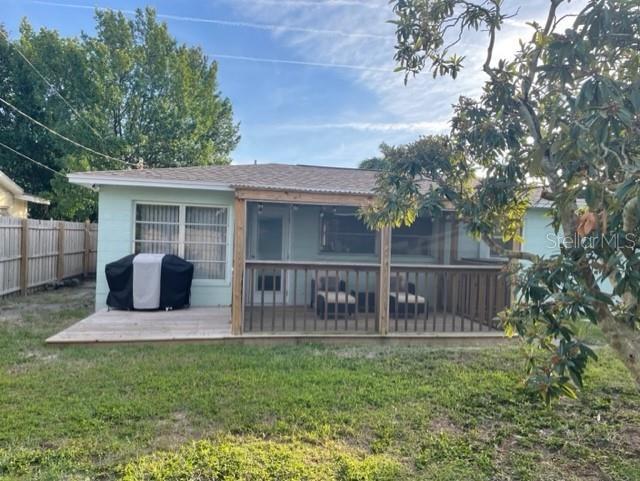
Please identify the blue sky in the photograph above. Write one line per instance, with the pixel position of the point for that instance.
(331, 97)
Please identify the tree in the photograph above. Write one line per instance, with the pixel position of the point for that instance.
(137, 94)
(564, 116)
(374, 163)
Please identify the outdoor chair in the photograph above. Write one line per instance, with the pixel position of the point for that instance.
(331, 296)
(403, 300)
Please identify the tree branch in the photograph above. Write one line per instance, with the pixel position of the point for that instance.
(528, 79)
(510, 253)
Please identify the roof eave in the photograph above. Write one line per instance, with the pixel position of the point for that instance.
(34, 199)
(10, 185)
(92, 181)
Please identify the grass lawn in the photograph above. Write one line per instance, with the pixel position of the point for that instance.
(198, 411)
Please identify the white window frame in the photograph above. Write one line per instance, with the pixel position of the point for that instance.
(182, 206)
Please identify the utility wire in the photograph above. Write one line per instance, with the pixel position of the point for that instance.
(32, 160)
(77, 144)
(51, 86)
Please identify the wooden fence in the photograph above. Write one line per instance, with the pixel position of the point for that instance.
(39, 252)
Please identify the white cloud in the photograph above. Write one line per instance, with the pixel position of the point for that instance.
(424, 99)
(417, 127)
(400, 112)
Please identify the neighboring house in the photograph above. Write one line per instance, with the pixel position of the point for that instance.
(13, 200)
(284, 246)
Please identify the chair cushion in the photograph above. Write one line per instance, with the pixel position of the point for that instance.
(404, 298)
(333, 297)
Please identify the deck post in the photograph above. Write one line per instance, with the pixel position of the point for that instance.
(384, 278)
(239, 252)
(455, 230)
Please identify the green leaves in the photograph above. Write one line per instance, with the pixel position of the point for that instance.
(140, 95)
(563, 114)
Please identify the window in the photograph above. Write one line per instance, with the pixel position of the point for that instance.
(199, 234)
(415, 240)
(345, 233)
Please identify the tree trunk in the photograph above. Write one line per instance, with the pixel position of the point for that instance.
(623, 339)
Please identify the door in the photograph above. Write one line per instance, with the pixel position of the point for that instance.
(269, 247)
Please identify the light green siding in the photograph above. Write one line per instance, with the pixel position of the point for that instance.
(538, 234)
(115, 234)
(301, 236)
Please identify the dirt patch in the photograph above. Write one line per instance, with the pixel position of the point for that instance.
(52, 303)
(444, 425)
(630, 439)
(175, 430)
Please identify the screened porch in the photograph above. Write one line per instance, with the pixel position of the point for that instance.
(316, 267)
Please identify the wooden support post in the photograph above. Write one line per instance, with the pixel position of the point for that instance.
(87, 248)
(384, 278)
(455, 230)
(60, 266)
(440, 229)
(239, 252)
(24, 257)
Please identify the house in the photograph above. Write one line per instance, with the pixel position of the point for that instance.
(13, 200)
(284, 247)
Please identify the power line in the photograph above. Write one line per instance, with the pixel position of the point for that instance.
(32, 160)
(77, 144)
(51, 86)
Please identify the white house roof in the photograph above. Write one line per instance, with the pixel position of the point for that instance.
(17, 191)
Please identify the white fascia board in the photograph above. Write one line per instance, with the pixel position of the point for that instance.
(91, 181)
(33, 199)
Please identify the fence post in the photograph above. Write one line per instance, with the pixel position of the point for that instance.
(24, 257)
(60, 267)
(87, 247)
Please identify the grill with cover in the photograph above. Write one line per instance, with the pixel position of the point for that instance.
(149, 281)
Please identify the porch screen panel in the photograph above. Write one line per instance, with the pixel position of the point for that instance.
(205, 241)
(157, 229)
(414, 240)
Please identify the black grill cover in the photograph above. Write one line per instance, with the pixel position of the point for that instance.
(120, 279)
(175, 282)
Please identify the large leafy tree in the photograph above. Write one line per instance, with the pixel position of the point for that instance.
(562, 116)
(131, 92)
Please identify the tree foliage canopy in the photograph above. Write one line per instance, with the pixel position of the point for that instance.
(562, 116)
(135, 94)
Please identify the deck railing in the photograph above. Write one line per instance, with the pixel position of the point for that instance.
(446, 298)
(301, 296)
(343, 298)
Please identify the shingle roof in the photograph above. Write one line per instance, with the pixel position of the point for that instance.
(300, 178)
(261, 176)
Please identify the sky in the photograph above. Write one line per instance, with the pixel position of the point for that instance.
(311, 81)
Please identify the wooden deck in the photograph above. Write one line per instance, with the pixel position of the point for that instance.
(193, 324)
(213, 324)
